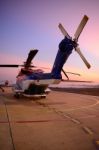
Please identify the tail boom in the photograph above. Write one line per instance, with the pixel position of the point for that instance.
(65, 49)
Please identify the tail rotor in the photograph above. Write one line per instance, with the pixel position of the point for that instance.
(76, 36)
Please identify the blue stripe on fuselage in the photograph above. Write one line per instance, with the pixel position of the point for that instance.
(42, 76)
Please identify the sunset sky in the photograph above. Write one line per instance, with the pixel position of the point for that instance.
(27, 24)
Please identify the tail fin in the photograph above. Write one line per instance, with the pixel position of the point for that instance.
(65, 49)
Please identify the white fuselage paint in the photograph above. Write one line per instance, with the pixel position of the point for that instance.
(26, 83)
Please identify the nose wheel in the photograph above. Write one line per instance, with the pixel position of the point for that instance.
(17, 95)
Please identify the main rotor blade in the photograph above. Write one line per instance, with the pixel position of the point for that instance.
(76, 81)
(8, 65)
(31, 55)
(82, 57)
(80, 27)
(73, 73)
(64, 32)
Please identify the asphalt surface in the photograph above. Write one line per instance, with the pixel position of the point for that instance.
(62, 121)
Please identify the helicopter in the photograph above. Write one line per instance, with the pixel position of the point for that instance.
(34, 83)
(4, 84)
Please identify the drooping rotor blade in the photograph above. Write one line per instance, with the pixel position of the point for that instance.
(73, 73)
(70, 73)
(76, 81)
(64, 32)
(80, 27)
(9, 65)
(82, 57)
(31, 55)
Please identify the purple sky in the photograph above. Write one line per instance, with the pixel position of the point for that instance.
(28, 24)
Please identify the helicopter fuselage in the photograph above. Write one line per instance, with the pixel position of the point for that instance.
(32, 82)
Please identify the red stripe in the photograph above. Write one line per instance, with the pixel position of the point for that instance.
(32, 121)
(3, 121)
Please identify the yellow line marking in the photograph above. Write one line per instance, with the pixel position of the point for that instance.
(87, 130)
(89, 116)
(76, 121)
(83, 107)
(67, 116)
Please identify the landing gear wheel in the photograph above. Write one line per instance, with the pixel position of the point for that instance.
(17, 95)
(43, 96)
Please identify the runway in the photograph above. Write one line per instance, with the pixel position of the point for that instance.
(62, 121)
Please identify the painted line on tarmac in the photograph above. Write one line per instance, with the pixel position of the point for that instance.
(55, 103)
(32, 121)
(83, 107)
(87, 130)
(88, 116)
(3, 122)
(75, 121)
(65, 115)
(39, 121)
